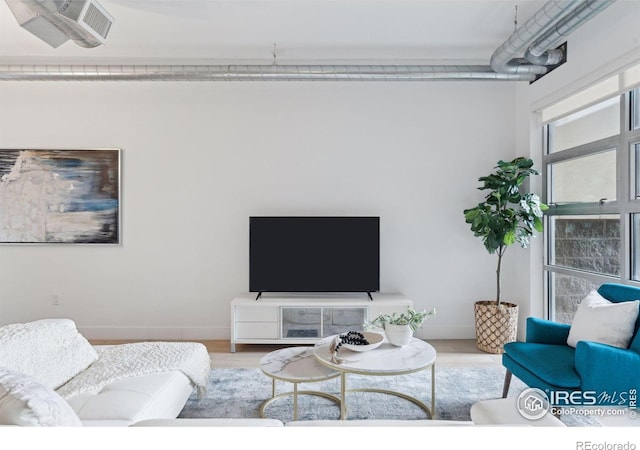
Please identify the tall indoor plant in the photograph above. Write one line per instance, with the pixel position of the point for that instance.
(505, 217)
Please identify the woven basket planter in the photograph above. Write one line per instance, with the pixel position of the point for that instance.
(495, 325)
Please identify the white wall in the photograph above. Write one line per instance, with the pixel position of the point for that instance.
(597, 50)
(200, 158)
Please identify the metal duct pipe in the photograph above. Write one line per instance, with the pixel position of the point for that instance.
(255, 73)
(502, 60)
(538, 52)
(548, 58)
(505, 63)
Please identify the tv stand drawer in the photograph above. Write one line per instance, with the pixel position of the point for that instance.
(257, 313)
(257, 330)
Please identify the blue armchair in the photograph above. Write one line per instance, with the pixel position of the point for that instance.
(610, 375)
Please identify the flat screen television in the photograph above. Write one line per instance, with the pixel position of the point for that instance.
(314, 254)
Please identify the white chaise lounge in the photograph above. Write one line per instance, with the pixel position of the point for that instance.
(51, 375)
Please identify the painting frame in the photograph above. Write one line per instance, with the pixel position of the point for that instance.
(61, 196)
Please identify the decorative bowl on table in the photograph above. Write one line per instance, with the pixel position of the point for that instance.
(374, 340)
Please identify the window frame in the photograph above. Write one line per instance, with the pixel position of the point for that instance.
(634, 111)
(626, 204)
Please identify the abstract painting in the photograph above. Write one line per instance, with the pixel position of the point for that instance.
(60, 196)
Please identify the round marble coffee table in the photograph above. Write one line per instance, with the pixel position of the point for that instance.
(295, 365)
(386, 360)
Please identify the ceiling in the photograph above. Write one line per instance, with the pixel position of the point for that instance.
(303, 31)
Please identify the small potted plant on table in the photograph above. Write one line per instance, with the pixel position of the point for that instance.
(400, 327)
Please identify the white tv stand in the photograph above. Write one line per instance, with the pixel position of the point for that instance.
(305, 319)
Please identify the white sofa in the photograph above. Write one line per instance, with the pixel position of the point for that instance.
(51, 375)
(122, 403)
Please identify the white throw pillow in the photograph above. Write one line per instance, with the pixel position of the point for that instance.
(25, 402)
(50, 350)
(599, 320)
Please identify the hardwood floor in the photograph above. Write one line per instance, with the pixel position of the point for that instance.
(451, 353)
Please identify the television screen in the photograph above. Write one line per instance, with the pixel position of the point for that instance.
(314, 254)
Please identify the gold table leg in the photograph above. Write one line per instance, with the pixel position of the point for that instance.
(433, 391)
(295, 401)
(343, 396)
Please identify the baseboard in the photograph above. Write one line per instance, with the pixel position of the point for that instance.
(428, 331)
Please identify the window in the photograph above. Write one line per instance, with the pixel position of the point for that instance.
(586, 243)
(598, 121)
(590, 178)
(591, 170)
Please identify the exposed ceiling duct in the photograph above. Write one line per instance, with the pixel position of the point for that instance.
(504, 59)
(536, 38)
(255, 73)
(542, 51)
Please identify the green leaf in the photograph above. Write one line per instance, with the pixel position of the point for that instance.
(477, 222)
(471, 214)
(537, 224)
(509, 238)
(492, 243)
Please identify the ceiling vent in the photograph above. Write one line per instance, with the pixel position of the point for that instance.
(86, 22)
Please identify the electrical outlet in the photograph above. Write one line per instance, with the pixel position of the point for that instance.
(55, 300)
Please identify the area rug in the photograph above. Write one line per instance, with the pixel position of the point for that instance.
(239, 393)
